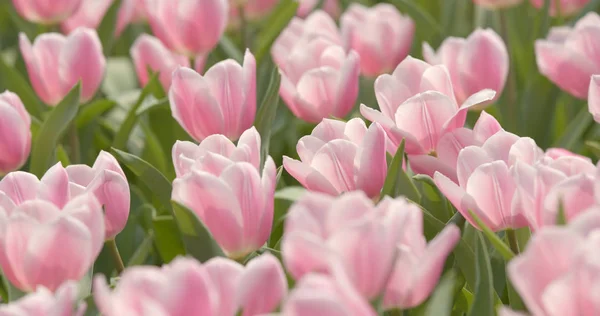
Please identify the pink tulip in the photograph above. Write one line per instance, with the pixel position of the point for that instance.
(557, 274)
(565, 7)
(306, 7)
(262, 286)
(555, 153)
(339, 157)
(188, 27)
(568, 56)
(497, 4)
(149, 52)
(40, 244)
(223, 101)
(253, 10)
(46, 12)
(450, 145)
(380, 35)
(322, 295)
(418, 105)
(594, 97)
(56, 63)
(91, 13)
(44, 303)
(478, 62)
(15, 136)
(225, 189)
(183, 287)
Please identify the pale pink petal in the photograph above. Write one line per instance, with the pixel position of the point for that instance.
(594, 97)
(55, 186)
(486, 126)
(308, 176)
(183, 153)
(304, 253)
(112, 191)
(335, 161)
(20, 186)
(225, 275)
(373, 165)
(262, 286)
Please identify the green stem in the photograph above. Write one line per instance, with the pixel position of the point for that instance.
(114, 252)
(511, 88)
(74, 144)
(513, 241)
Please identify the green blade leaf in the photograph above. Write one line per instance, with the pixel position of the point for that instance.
(594, 147)
(423, 20)
(500, 246)
(442, 299)
(168, 239)
(150, 176)
(229, 49)
(397, 182)
(143, 251)
(107, 27)
(432, 199)
(197, 239)
(576, 129)
(46, 141)
(12, 80)
(483, 304)
(283, 200)
(277, 21)
(266, 113)
(91, 111)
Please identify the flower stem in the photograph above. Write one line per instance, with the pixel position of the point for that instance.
(512, 241)
(114, 252)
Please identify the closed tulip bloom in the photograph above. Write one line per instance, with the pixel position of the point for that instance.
(557, 274)
(417, 104)
(223, 101)
(339, 157)
(56, 63)
(42, 302)
(15, 136)
(149, 52)
(46, 12)
(306, 7)
(478, 62)
(54, 245)
(497, 4)
(594, 97)
(183, 287)
(178, 23)
(565, 7)
(91, 13)
(380, 35)
(569, 55)
(262, 286)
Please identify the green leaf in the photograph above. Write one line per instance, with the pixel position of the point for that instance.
(143, 251)
(291, 193)
(42, 150)
(498, 244)
(230, 50)
(127, 126)
(442, 299)
(432, 199)
(197, 239)
(107, 27)
(594, 147)
(576, 129)
(168, 239)
(62, 156)
(154, 150)
(266, 113)
(515, 301)
(483, 304)
(397, 182)
(92, 110)
(283, 200)
(277, 21)
(12, 80)
(561, 216)
(423, 20)
(149, 175)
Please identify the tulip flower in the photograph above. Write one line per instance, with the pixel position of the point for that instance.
(149, 52)
(557, 274)
(262, 286)
(225, 189)
(15, 136)
(46, 12)
(188, 27)
(478, 62)
(91, 13)
(339, 157)
(54, 245)
(320, 231)
(380, 35)
(566, 58)
(497, 4)
(417, 104)
(56, 63)
(252, 9)
(565, 7)
(306, 7)
(223, 101)
(42, 302)
(594, 97)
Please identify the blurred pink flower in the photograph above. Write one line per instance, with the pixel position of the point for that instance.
(55, 63)
(91, 13)
(417, 104)
(15, 134)
(188, 27)
(306, 7)
(478, 62)
(42, 302)
(40, 244)
(566, 7)
(497, 4)
(223, 101)
(339, 157)
(46, 12)
(380, 35)
(253, 10)
(569, 56)
(594, 97)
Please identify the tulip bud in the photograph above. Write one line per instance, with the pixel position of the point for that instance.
(368, 32)
(46, 12)
(56, 63)
(149, 52)
(261, 286)
(91, 13)
(15, 134)
(223, 101)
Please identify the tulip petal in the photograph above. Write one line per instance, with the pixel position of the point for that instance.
(372, 170)
(261, 286)
(308, 176)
